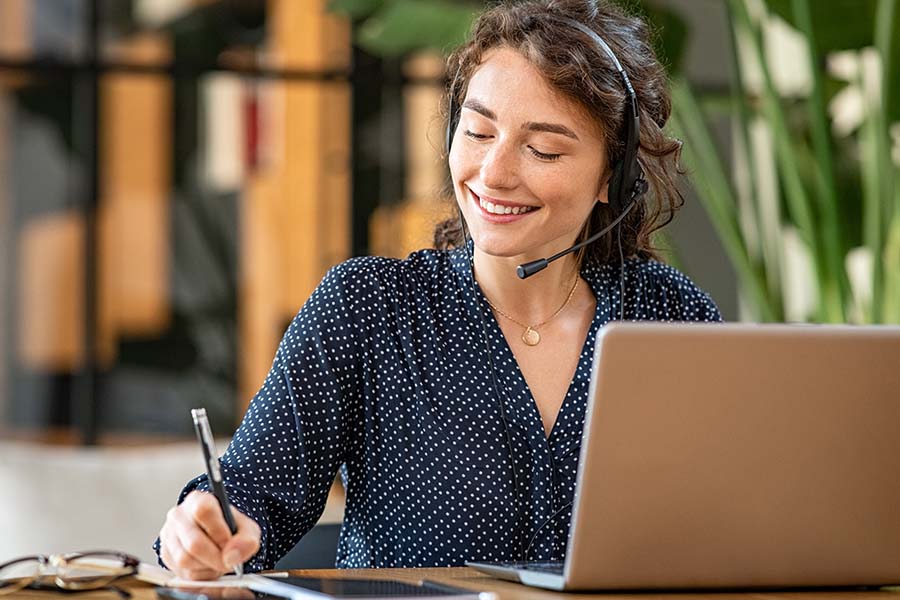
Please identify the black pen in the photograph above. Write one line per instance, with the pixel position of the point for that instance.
(204, 435)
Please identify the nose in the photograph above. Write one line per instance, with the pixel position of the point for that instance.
(500, 166)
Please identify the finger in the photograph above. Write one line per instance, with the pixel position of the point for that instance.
(171, 551)
(175, 556)
(236, 594)
(196, 543)
(244, 544)
(164, 555)
(239, 594)
(207, 514)
(199, 574)
(185, 566)
(246, 526)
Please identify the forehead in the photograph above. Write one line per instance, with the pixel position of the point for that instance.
(511, 86)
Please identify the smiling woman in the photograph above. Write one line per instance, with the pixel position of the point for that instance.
(448, 391)
(560, 70)
(526, 167)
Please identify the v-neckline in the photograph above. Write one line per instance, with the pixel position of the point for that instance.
(601, 307)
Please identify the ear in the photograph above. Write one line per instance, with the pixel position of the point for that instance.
(603, 193)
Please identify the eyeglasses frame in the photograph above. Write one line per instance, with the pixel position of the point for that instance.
(62, 561)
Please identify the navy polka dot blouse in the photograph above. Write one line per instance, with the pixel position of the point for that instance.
(384, 376)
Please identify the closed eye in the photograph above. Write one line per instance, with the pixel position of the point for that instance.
(537, 153)
(476, 136)
(544, 155)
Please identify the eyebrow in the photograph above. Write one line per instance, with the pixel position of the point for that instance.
(483, 110)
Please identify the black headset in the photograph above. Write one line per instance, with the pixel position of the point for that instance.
(626, 186)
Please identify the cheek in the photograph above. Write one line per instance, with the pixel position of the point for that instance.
(584, 187)
(456, 173)
(454, 163)
(462, 161)
(570, 198)
(566, 188)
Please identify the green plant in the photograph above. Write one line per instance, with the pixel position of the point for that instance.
(393, 28)
(834, 205)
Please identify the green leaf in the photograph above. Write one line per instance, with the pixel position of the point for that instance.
(839, 24)
(800, 204)
(828, 211)
(670, 32)
(407, 25)
(890, 37)
(670, 39)
(848, 25)
(892, 265)
(710, 180)
(355, 9)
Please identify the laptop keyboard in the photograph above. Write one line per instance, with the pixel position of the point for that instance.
(554, 567)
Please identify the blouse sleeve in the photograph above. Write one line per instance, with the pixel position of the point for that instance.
(282, 461)
(693, 303)
(661, 292)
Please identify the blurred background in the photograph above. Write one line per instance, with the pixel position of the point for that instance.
(177, 175)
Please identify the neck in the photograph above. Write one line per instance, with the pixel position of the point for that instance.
(530, 300)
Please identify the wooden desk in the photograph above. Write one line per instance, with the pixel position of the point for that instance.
(464, 577)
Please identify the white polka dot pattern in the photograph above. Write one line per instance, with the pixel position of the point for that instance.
(384, 375)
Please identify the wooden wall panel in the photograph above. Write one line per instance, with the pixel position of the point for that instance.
(335, 177)
(133, 237)
(426, 167)
(51, 292)
(261, 264)
(15, 28)
(132, 232)
(300, 191)
(296, 216)
(304, 35)
(15, 37)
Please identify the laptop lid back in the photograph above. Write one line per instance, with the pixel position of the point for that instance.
(722, 456)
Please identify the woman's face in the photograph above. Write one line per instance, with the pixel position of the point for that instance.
(524, 150)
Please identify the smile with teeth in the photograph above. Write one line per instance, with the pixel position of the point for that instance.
(499, 209)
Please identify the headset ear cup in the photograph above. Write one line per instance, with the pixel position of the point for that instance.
(452, 122)
(453, 114)
(615, 187)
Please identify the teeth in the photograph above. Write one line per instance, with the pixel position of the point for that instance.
(498, 209)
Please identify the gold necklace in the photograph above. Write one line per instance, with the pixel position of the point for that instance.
(530, 336)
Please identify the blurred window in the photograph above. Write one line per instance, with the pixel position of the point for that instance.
(175, 178)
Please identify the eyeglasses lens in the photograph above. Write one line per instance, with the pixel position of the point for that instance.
(19, 574)
(90, 571)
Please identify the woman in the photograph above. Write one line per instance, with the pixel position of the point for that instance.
(450, 392)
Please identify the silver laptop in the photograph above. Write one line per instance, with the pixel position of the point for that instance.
(735, 456)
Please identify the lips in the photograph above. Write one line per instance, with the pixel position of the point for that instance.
(495, 209)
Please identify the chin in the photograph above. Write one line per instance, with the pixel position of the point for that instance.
(501, 248)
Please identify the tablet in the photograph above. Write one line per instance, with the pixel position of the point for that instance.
(315, 587)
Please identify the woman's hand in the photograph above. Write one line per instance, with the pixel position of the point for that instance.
(195, 541)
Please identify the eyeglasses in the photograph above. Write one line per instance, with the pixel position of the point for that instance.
(71, 572)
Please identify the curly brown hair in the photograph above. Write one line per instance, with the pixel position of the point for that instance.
(573, 65)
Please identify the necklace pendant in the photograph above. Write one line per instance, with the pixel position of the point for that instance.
(531, 337)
